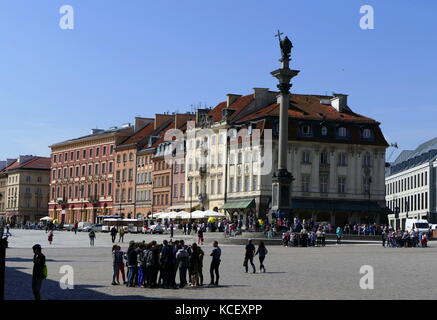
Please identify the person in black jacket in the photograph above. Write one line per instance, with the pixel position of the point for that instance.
(38, 275)
(248, 256)
(168, 261)
(113, 233)
(132, 264)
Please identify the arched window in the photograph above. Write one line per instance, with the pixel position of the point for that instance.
(324, 131)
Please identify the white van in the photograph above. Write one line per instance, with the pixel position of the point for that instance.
(418, 225)
(82, 225)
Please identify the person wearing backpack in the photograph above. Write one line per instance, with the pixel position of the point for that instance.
(182, 258)
(39, 271)
(261, 252)
(92, 236)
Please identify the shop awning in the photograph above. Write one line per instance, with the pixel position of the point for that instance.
(337, 205)
(239, 204)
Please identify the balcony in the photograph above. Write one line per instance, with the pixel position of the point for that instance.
(61, 200)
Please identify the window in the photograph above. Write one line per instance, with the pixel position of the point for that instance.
(342, 159)
(306, 130)
(324, 158)
(97, 152)
(90, 170)
(84, 154)
(324, 131)
(219, 186)
(367, 161)
(91, 153)
(323, 184)
(103, 168)
(341, 185)
(104, 151)
(212, 185)
(367, 134)
(306, 157)
(239, 184)
(254, 183)
(123, 176)
(111, 167)
(102, 190)
(109, 188)
(342, 132)
(175, 191)
(77, 155)
(118, 158)
(54, 158)
(117, 175)
(182, 190)
(131, 156)
(305, 183)
(231, 184)
(111, 150)
(131, 174)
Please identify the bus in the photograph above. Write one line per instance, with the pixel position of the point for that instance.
(129, 225)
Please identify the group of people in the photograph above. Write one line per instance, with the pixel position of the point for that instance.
(153, 265)
(399, 239)
(5, 230)
(305, 238)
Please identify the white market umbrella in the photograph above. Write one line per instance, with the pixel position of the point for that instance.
(184, 214)
(198, 214)
(214, 214)
(46, 219)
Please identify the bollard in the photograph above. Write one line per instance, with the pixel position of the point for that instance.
(3, 246)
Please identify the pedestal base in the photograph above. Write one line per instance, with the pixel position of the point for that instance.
(281, 191)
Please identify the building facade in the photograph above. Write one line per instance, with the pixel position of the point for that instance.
(337, 158)
(25, 184)
(411, 185)
(82, 175)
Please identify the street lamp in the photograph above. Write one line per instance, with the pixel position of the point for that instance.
(190, 179)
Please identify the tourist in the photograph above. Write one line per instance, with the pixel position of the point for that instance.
(185, 229)
(248, 256)
(201, 254)
(182, 262)
(121, 234)
(76, 226)
(200, 236)
(117, 265)
(132, 264)
(141, 267)
(215, 264)
(384, 238)
(39, 271)
(261, 252)
(92, 236)
(339, 233)
(194, 264)
(171, 230)
(113, 233)
(50, 237)
(168, 263)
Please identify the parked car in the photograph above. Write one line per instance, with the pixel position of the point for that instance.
(95, 227)
(82, 225)
(153, 229)
(68, 227)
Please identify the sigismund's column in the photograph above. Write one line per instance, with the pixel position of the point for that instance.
(282, 179)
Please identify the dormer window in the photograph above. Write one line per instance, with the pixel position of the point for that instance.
(324, 131)
(342, 132)
(367, 134)
(306, 130)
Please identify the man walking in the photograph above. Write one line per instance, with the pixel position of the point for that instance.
(113, 233)
(76, 226)
(92, 236)
(215, 263)
(339, 233)
(121, 235)
(39, 271)
(248, 256)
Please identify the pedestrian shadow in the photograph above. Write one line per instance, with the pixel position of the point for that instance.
(18, 286)
(18, 259)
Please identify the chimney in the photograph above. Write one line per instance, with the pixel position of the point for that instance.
(95, 131)
(231, 98)
(141, 122)
(182, 118)
(201, 114)
(23, 159)
(160, 119)
(263, 97)
(339, 102)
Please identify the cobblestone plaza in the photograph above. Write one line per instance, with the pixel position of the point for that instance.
(332, 272)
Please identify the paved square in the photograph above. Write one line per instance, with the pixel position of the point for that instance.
(292, 273)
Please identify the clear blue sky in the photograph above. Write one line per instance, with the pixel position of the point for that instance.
(137, 57)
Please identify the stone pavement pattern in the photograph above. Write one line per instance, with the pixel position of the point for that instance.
(292, 273)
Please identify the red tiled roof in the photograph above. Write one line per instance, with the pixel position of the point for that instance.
(140, 135)
(308, 107)
(34, 163)
(238, 105)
